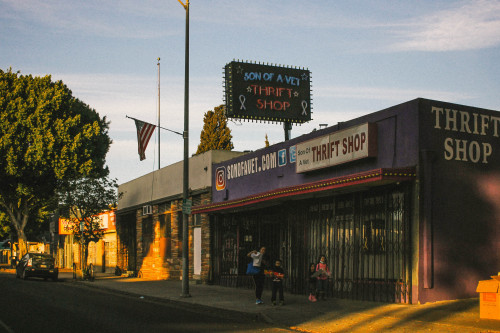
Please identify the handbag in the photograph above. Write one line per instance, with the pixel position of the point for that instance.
(252, 270)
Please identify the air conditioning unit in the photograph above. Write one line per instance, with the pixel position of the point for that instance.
(147, 210)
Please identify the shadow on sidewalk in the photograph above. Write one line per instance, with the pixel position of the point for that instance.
(338, 315)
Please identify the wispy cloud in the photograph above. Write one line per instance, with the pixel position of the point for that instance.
(462, 25)
(388, 94)
(103, 18)
(472, 25)
(117, 95)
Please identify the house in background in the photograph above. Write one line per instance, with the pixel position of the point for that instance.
(102, 254)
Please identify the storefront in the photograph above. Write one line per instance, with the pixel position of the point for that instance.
(401, 201)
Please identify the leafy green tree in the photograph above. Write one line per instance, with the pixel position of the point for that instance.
(4, 226)
(215, 134)
(81, 201)
(47, 136)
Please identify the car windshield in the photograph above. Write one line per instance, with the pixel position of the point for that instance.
(41, 256)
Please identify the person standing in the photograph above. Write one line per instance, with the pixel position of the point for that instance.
(258, 278)
(322, 279)
(278, 274)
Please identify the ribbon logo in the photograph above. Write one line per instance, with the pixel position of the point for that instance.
(242, 101)
(304, 108)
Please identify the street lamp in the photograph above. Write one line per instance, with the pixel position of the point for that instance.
(185, 187)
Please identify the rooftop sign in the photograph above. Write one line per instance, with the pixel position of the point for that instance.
(270, 93)
(343, 146)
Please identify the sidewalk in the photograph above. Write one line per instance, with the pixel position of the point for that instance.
(332, 315)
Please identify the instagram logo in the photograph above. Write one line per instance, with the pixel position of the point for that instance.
(220, 178)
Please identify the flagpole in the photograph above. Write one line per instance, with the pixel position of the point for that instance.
(159, 113)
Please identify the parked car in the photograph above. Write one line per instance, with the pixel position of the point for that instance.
(37, 265)
(5, 244)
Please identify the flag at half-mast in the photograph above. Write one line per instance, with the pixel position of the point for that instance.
(144, 132)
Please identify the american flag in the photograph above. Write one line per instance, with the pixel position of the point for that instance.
(144, 132)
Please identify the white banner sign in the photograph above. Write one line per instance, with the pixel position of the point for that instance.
(344, 146)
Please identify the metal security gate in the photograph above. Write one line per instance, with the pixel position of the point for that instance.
(384, 252)
(365, 237)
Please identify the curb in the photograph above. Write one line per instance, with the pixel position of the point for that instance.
(188, 306)
(265, 318)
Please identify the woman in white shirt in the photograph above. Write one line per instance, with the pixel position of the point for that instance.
(258, 278)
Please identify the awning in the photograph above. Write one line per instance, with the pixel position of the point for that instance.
(377, 176)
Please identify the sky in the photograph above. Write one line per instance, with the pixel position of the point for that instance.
(364, 56)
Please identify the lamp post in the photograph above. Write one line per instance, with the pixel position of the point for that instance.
(185, 191)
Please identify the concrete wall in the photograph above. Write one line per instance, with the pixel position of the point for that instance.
(460, 182)
(167, 182)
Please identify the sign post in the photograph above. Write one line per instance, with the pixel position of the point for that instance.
(186, 206)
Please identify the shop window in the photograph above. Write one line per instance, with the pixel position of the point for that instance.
(163, 207)
(373, 236)
(127, 239)
(147, 235)
(166, 235)
(229, 253)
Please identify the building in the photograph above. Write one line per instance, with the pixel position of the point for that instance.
(150, 217)
(101, 254)
(403, 202)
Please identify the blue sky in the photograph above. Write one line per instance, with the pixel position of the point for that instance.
(364, 56)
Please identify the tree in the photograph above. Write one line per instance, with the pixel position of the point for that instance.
(215, 134)
(81, 201)
(4, 226)
(47, 136)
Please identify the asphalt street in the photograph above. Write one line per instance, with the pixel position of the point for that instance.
(35, 305)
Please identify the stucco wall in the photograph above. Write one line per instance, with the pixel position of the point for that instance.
(167, 182)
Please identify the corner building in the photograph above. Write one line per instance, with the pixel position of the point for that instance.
(149, 221)
(404, 203)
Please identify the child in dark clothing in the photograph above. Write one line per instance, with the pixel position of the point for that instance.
(312, 282)
(278, 274)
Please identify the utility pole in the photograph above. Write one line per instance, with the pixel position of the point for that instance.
(185, 193)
